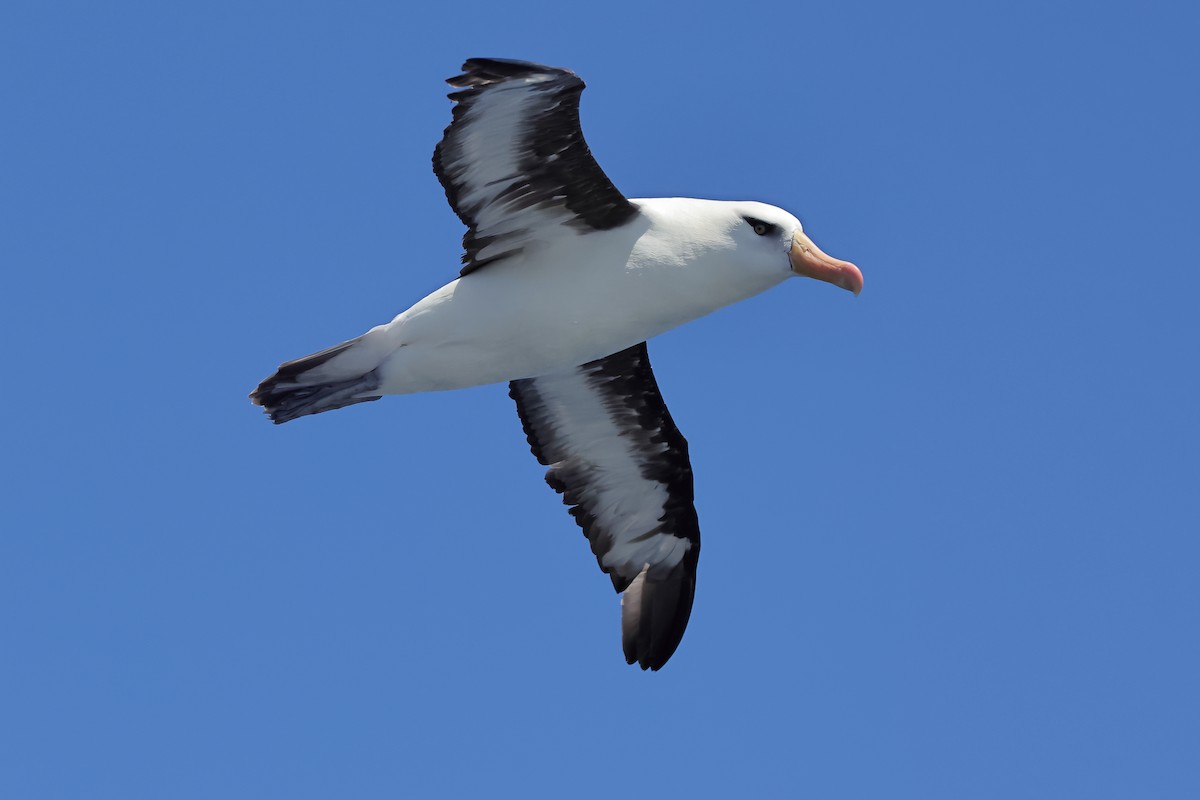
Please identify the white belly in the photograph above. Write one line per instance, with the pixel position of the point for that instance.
(543, 311)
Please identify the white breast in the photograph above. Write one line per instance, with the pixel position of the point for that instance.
(567, 301)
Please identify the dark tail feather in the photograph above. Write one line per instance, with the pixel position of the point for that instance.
(286, 395)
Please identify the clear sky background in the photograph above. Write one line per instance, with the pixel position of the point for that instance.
(950, 527)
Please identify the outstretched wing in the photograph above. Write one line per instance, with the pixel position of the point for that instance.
(514, 160)
(617, 458)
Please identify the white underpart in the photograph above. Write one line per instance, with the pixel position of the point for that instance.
(626, 505)
(573, 297)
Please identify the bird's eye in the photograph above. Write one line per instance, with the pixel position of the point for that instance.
(760, 227)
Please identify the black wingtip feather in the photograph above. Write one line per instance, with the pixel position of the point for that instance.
(654, 615)
(481, 71)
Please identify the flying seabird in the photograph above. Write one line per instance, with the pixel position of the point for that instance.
(563, 281)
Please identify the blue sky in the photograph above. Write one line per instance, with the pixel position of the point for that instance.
(950, 526)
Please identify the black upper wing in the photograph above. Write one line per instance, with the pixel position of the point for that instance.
(514, 161)
(617, 458)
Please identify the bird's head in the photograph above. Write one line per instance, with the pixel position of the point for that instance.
(774, 239)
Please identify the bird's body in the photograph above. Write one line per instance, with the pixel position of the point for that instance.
(553, 309)
(564, 280)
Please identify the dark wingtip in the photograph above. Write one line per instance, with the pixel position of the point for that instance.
(654, 615)
(482, 71)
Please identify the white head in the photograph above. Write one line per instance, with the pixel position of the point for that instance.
(756, 244)
(779, 237)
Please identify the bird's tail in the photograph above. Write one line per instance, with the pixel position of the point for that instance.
(310, 385)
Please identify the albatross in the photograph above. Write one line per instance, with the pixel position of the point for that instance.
(563, 280)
